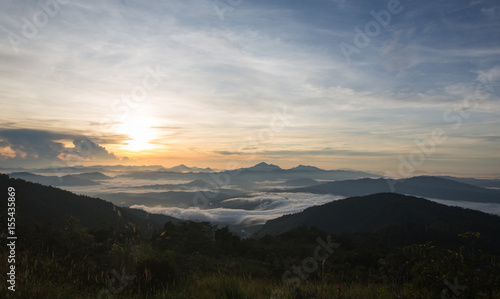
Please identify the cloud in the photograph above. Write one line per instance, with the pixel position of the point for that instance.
(33, 144)
(490, 208)
(319, 152)
(490, 79)
(222, 77)
(269, 206)
(489, 12)
(91, 150)
(36, 147)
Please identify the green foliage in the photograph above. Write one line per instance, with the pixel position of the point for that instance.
(199, 260)
(155, 274)
(435, 271)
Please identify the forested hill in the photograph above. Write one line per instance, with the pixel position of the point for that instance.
(390, 212)
(423, 186)
(36, 203)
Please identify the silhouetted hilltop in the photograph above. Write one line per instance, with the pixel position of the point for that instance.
(249, 178)
(305, 182)
(306, 168)
(486, 183)
(181, 199)
(98, 168)
(92, 176)
(184, 168)
(263, 166)
(390, 212)
(193, 185)
(43, 204)
(67, 180)
(425, 186)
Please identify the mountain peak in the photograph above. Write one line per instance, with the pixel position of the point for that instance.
(306, 168)
(180, 168)
(263, 166)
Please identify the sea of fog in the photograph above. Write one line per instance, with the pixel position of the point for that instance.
(490, 208)
(268, 206)
(237, 211)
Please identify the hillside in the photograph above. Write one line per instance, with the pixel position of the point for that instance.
(43, 204)
(92, 176)
(183, 259)
(486, 183)
(67, 180)
(379, 211)
(248, 178)
(424, 186)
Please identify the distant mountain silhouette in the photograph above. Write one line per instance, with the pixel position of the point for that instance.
(249, 178)
(198, 184)
(181, 199)
(306, 168)
(263, 166)
(192, 186)
(93, 176)
(98, 168)
(426, 186)
(184, 168)
(49, 205)
(485, 183)
(388, 210)
(305, 182)
(67, 180)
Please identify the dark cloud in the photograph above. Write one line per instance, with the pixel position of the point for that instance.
(3, 143)
(33, 144)
(91, 150)
(41, 147)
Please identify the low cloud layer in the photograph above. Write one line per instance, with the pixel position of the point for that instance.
(270, 206)
(490, 208)
(273, 205)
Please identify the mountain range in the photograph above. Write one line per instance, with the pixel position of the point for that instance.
(84, 179)
(392, 217)
(424, 186)
(396, 216)
(36, 203)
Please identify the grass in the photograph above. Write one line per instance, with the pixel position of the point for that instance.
(222, 286)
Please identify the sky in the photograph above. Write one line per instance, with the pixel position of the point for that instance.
(395, 87)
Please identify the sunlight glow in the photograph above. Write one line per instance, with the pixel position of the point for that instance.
(140, 131)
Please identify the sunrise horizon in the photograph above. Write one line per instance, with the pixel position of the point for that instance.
(385, 86)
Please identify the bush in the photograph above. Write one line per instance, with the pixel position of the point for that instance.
(155, 274)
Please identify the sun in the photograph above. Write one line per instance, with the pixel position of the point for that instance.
(140, 131)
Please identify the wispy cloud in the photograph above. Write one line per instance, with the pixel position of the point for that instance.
(224, 78)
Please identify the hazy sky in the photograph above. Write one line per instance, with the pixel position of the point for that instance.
(332, 83)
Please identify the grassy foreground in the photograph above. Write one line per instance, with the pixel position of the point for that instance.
(197, 260)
